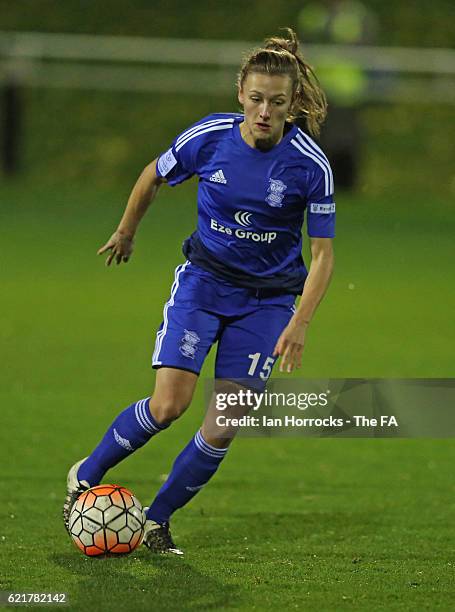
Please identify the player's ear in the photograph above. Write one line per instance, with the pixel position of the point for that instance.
(241, 96)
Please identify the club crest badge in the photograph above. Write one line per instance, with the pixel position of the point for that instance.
(189, 342)
(275, 193)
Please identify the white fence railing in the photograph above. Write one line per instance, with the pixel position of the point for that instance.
(207, 66)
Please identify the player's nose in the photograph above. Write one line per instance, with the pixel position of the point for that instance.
(265, 111)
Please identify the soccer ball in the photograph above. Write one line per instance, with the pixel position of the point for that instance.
(107, 520)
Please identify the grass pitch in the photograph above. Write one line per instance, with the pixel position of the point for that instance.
(286, 523)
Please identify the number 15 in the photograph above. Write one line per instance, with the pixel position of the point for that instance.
(266, 368)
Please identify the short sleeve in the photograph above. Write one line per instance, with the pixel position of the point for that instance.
(320, 202)
(179, 162)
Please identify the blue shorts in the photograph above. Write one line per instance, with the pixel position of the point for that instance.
(204, 309)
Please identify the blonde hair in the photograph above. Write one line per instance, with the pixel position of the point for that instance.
(282, 56)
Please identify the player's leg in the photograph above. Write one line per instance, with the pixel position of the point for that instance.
(255, 334)
(181, 346)
(244, 361)
(191, 470)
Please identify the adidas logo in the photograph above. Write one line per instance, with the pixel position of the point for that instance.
(192, 489)
(218, 177)
(122, 441)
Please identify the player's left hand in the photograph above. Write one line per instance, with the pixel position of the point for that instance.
(120, 246)
(290, 345)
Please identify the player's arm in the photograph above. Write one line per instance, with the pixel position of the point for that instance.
(292, 340)
(120, 244)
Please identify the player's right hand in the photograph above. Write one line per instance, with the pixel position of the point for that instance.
(120, 247)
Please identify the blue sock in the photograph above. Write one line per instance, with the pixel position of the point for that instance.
(131, 429)
(192, 469)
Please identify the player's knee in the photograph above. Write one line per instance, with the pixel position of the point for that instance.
(167, 408)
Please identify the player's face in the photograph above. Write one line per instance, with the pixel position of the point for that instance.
(266, 100)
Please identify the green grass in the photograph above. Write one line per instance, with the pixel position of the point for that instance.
(287, 523)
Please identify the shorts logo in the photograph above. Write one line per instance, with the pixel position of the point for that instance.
(189, 344)
(276, 193)
(322, 209)
(166, 162)
(243, 218)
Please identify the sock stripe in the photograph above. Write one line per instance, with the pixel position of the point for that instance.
(206, 452)
(208, 449)
(208, 446)
(148, 417)
(139, 419)
(143, 409)
(142, 419)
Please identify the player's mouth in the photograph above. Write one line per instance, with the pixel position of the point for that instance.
(264, 127)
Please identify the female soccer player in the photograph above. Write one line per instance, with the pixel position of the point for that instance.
(258, 175)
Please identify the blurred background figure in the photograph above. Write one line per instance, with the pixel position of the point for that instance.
(340, 22)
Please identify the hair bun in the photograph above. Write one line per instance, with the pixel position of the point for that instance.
(290, 44)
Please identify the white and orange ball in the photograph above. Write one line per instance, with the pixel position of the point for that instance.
(107, 520)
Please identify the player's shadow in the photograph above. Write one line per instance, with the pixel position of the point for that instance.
(141, 581)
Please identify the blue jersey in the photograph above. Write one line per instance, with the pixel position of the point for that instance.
(252, 204)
